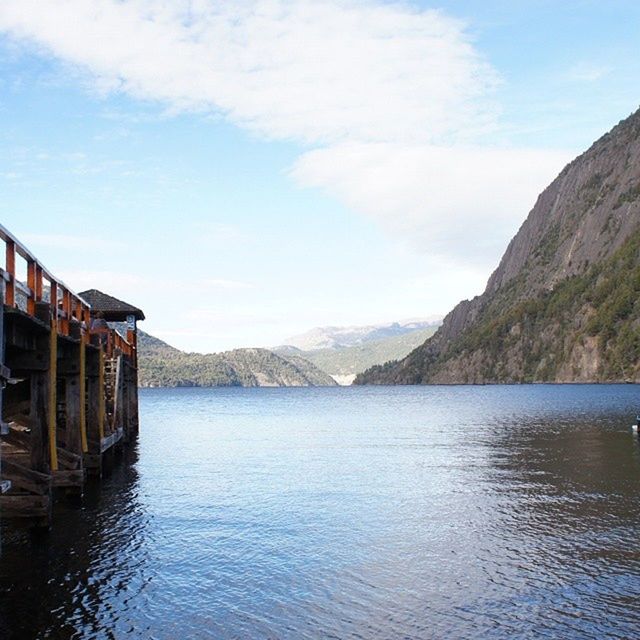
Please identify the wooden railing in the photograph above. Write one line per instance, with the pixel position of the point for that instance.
(67, 307)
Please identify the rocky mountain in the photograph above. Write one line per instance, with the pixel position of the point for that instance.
(341, 337)
(161, 365)
(564, 303)
(344, 363)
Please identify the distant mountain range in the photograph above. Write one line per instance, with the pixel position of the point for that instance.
(354, 350)
(339, 337)
(343, 352)
(161, 365)
(344, 363)
(563, 305)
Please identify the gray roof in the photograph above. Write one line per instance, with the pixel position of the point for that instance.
(111, 308)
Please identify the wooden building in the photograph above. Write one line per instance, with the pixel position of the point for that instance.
(68, 379)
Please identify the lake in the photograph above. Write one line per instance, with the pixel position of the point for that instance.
(366, 512)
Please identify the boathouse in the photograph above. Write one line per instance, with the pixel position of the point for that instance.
(68, 384)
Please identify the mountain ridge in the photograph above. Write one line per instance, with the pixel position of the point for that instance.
(537, 319)
(161, 365)
(344, 363)
(335, 337)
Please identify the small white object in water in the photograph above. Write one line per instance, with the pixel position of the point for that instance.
(634, 428)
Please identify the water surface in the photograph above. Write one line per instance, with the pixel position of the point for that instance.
(406, 512)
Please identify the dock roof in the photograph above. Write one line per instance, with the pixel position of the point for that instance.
(112, 309)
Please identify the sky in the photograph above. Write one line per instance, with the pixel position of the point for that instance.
(245, 171)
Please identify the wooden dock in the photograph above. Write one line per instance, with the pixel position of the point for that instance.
(68, 385)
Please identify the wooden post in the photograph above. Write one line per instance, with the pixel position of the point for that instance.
(82, 391)
(10, 267)
(5, 373)
(102, 397)
(93, 459)
(5, 485)
(31, 283)
(38, 290)
(39, 422)
(117, 395)
(132, 400)
(53, 391)
(73, 439)
(125, 398)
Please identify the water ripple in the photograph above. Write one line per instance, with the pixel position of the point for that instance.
(437, 512)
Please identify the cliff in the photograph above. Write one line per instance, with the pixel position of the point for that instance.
(562, 304)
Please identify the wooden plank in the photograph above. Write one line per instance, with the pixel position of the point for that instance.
(117, 395)
(18, 438)
(68, 478)
(52, 398)
(102, 396)
(10, 266)
(93, 412)
(92, 461)
(16, 412)
(31, 283)
(73, 401)
(38, 287)
(110, 440)
(3, 425)
(28, 361)
(133, 399)
(68, 460)
(125, 399)
(39, 422)
(25, 506)
(22, 477)
(82, 381)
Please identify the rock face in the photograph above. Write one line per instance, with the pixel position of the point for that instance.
(562, 304)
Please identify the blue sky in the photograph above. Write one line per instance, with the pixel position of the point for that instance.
(247, 172)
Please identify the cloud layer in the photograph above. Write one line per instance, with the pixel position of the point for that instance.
(390, 98)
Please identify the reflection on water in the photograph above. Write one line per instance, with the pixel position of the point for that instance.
(466, 512)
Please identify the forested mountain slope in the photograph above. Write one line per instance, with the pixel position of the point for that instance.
(161, 365)
(563, 304)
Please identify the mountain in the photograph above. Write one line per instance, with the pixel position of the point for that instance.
(564, 303)
(340, 337)
(161, 365)
(344, 363)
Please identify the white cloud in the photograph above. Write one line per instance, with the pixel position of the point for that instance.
(460, 202)
(391, 96)
(312, 71)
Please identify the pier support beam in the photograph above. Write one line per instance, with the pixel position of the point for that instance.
(5, 484)
(70, 474)
(72, 397)
(95, 411)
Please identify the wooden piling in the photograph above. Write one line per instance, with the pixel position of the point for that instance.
(95, 412)
(75, 395)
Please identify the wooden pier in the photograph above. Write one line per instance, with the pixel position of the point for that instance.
(68, 385)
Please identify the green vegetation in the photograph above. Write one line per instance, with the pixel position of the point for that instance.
(563, 304)
(164, 366)
(531, 339)
(347, 361)
(630, 195)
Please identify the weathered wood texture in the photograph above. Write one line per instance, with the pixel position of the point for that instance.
(73, 396)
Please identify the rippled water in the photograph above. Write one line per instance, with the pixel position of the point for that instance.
(429, 512)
